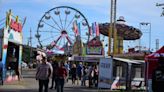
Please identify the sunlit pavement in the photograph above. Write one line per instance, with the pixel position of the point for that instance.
(31, 85)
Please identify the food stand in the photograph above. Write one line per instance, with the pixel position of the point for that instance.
(11, 47)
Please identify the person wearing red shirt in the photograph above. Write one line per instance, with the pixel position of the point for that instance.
(62, 74)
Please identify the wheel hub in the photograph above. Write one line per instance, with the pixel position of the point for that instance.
(64, 32)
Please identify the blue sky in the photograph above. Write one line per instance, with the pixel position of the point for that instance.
(134, 12)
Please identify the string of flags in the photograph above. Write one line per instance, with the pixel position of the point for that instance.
(93, 30)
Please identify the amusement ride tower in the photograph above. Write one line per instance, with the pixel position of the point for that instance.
(112, 31)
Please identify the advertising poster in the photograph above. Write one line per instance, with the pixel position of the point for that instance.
(105, 73)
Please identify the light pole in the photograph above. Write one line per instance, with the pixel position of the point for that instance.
(161, 5)
(147, 24)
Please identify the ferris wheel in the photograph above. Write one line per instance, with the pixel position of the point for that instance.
(60, 26)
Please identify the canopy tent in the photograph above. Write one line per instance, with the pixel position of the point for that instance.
(152, 61)
(129, 60)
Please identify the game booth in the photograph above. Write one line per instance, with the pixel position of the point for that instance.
(93, 54)
(151, 64)
(11, 48)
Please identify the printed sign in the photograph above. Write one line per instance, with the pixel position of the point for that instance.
(105, 73)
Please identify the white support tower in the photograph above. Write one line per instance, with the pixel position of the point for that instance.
(157, 44)
(112, 32)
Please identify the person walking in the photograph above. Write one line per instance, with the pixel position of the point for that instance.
(68, 69)
(79, 72)
(54, 75)
(84, 76)
(95, 77)
(43, 73)
(62, 74)
(91, 75)
(73, 73)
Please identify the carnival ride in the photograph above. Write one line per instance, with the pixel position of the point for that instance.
(60, 27)
(124, 32)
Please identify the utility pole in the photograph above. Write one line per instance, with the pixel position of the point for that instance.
(112, 30)
(30, 43)
(161, 5)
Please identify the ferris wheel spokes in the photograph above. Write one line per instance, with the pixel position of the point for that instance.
(61, 22)
(70, 22)
(56, 23)
(51, 26)
(65, 20)
(56, 26)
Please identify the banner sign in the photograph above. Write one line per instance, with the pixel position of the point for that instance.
(105, 73)
(86, 59)
(15, 26)
(94, 50)
(94, 47)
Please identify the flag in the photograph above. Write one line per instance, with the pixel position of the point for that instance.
(90, 31)
(97, 30)
(93, 28)
(75, 27)
(79, 29)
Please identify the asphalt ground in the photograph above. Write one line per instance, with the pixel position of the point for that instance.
(31, 85)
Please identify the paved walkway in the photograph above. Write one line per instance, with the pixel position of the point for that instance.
(31, 85)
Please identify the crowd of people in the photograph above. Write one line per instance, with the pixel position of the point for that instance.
(82, 73)
(60, 72)
(47, 70)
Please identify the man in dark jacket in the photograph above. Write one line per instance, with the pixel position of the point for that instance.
(54, 75)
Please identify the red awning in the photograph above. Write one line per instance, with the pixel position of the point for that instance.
(152, 61)
(155, 55)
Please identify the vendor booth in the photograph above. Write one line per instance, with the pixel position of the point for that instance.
(151, 64)
(11, 48)
(128, 74)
